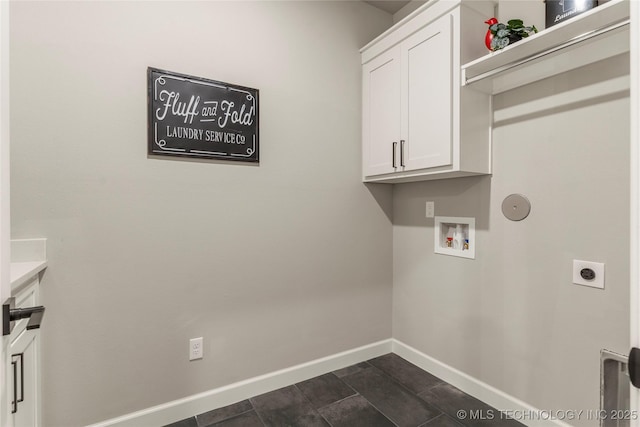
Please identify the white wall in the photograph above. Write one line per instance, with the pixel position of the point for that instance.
(273, 265)
(511, 317)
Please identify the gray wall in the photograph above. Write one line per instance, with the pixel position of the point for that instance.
(407, 10)
(512, 317)
(290, 260)
(273, 265)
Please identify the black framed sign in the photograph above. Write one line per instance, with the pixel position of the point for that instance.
(195, 117)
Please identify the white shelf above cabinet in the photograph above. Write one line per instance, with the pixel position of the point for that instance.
(598, 34)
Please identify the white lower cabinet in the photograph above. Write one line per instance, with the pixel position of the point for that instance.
(24, 364)
(418, 122)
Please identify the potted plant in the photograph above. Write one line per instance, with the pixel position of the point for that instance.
(501, 35)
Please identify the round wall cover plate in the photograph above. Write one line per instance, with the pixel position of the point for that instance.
(516, 207)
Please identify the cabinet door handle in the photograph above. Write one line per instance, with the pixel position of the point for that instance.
(393, 153)
(14, 363)
(402, 152)
(14, 402)
(21, 357)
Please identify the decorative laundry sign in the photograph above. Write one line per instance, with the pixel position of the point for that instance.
(195, 117)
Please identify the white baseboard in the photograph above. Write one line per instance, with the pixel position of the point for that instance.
(523, 412)
(199, 403)
(227, 395)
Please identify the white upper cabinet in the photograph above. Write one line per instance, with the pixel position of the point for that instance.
(427, 128)
(382, 83)
(414, 108)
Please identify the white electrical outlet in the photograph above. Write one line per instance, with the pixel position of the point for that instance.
(587, 273)
(430, 210)
(196, 349)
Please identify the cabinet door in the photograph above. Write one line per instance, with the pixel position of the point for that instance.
(24, 371)
(381, 112)
(427, 93)
(22, 365)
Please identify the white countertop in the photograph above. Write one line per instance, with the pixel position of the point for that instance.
(23, 271)
(28, 258)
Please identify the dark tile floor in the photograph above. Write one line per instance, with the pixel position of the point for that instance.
(385, 391)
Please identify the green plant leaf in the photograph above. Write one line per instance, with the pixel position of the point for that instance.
(502, 43)
(515, 23)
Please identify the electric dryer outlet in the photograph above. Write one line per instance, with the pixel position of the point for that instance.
(588, 273)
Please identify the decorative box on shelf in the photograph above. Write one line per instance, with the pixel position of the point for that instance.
(557, 11)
